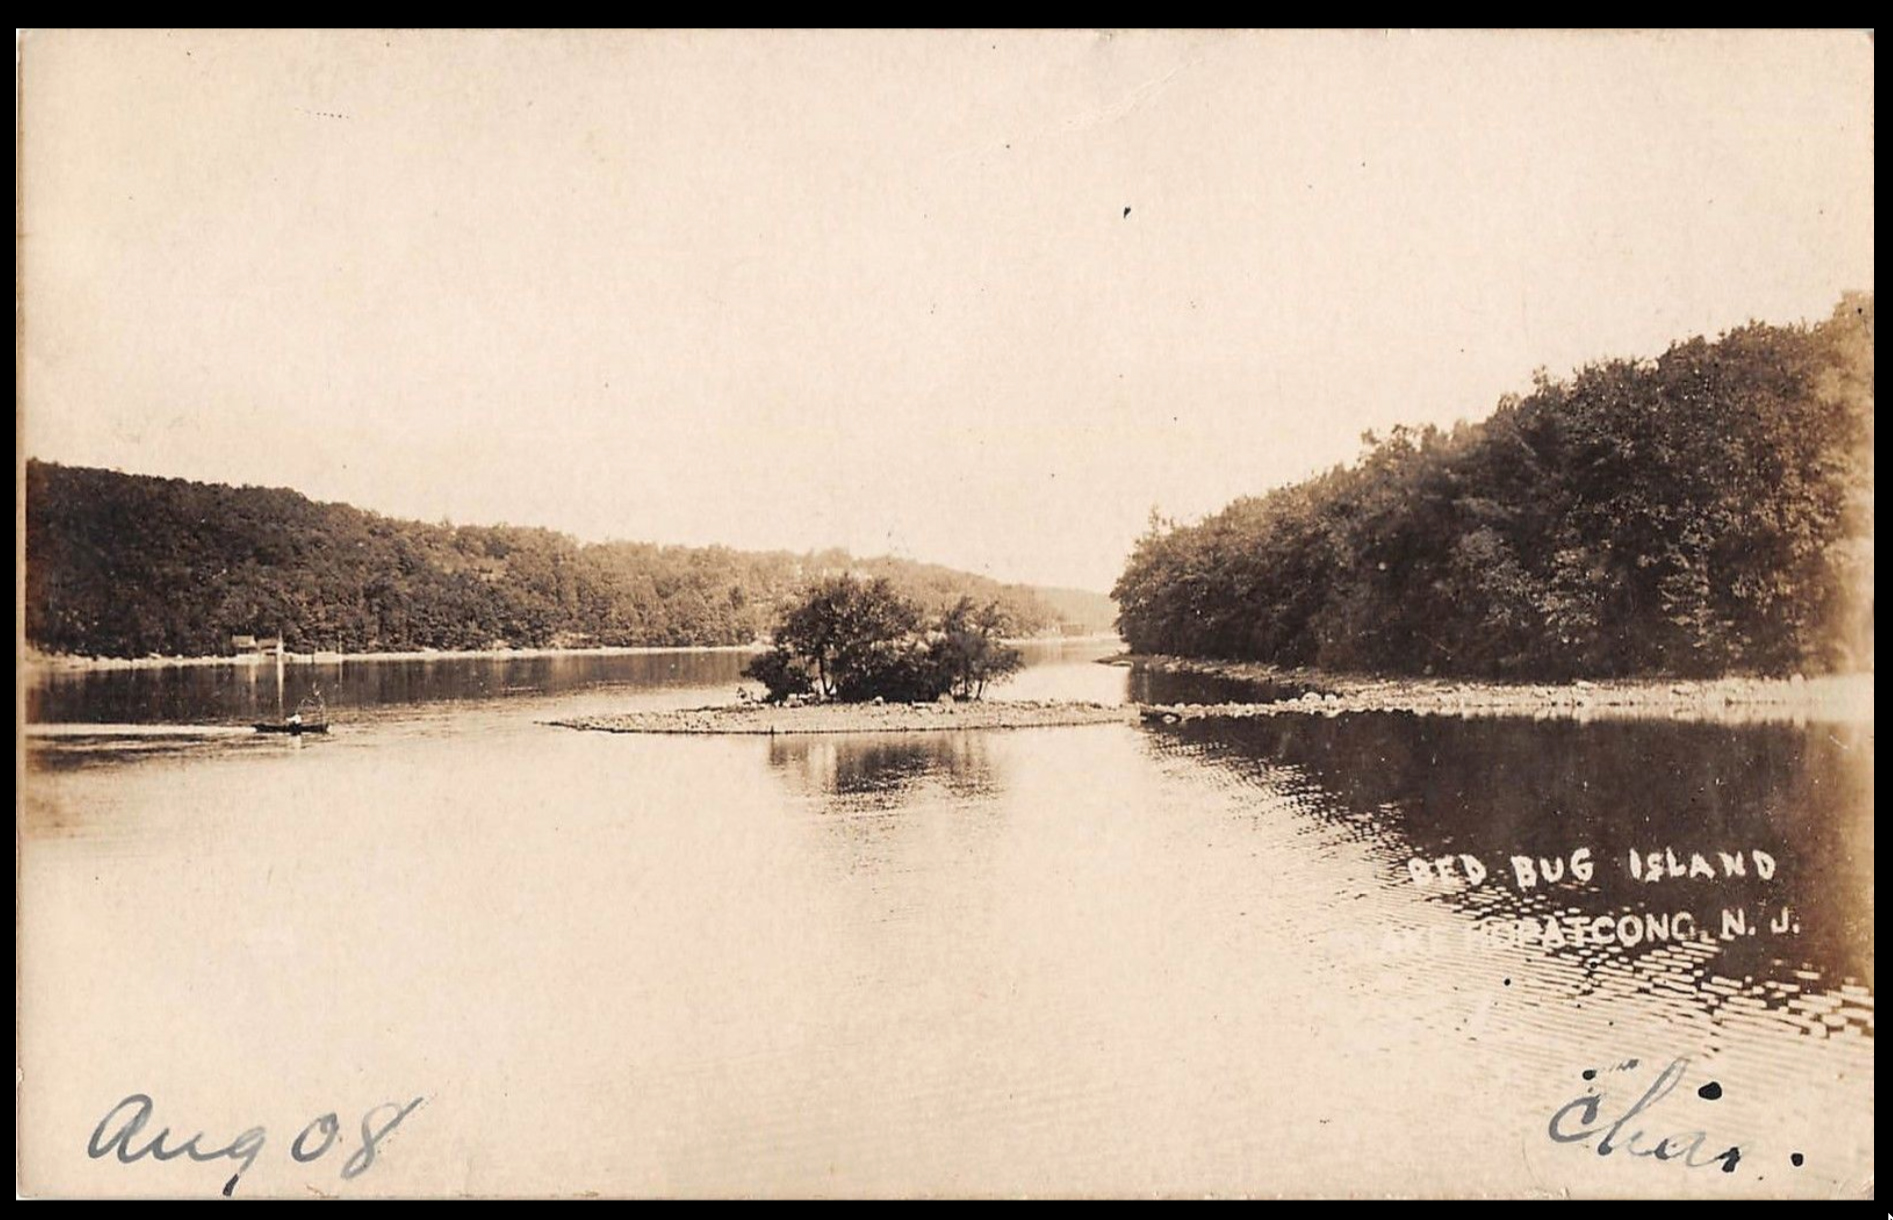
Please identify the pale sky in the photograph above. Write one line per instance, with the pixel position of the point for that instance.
(880, 291)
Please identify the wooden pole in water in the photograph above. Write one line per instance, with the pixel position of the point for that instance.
(279, 679)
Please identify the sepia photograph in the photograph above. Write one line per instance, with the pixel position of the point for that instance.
(898, 614)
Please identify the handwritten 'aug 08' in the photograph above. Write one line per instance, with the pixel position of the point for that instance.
(118, 1132)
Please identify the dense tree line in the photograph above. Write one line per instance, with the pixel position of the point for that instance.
(1709, 511)
(125, 565)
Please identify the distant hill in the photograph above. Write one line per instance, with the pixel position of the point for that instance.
(130, 565)
(1080, 611)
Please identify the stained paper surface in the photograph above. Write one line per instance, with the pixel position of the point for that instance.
(975, 299)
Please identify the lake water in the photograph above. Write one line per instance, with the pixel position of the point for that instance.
(1109, 959)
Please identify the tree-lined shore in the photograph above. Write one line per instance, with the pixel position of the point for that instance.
(1707, 512)
(131, 566)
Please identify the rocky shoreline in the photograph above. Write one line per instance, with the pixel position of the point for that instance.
(1844, 698)
(763, 719)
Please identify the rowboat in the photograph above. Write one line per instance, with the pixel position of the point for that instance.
(312, 714)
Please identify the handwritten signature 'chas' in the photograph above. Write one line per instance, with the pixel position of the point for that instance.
(1578, 1120)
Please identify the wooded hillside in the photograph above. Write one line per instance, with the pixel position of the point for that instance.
(128, 565)
(1708, 511)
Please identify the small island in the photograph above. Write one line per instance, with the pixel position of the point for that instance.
(858, 656)
(770, 719)
(1834, 699)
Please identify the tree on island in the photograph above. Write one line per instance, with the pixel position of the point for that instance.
(972, 649)
(840, 623)
(856, 640)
